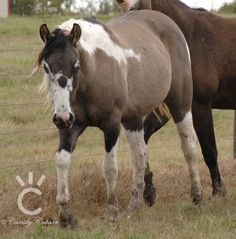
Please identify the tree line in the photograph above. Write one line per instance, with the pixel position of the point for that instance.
(63, 7)
(228, 8)
(91, 7)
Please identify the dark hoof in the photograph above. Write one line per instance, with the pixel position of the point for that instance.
(219, 189)
(149, 193)
(197, 199)
(67, 218)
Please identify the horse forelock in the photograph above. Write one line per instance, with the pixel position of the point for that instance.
(57, 40)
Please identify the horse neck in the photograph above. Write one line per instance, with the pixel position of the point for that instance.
(175, 9)
(87, 63)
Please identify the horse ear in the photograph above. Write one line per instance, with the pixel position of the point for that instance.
(44, 32)
(75, 34)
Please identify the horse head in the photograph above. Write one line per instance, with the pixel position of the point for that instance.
(127, 5)
(60, 60)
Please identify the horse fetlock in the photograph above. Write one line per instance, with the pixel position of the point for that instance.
(196, 193)
(136, 200)
(67, 218)
(219, 189)
(62, 199)
(149, 193)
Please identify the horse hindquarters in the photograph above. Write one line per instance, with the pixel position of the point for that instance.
(179, 102)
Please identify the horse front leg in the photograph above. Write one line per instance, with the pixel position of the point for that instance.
(68, 139)
(135, 136)
(110, 169)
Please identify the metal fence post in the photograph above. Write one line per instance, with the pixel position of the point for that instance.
(235, 134)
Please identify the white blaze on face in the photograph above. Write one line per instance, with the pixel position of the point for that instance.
(59, 95)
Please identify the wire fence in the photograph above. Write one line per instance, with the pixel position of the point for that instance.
(21, 104)
(26, 105)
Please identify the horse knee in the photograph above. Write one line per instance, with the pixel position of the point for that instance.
(63, 159)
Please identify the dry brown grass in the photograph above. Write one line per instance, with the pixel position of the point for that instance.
(88, 191)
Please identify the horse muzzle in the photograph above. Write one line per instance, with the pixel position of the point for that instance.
(63, 120)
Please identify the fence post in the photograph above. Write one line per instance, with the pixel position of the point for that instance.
(235, 134)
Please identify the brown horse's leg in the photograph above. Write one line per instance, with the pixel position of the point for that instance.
(152, 123)
(67, 141)
(204, 127)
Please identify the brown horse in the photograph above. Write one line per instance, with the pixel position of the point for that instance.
(211, 40)
(112, 75)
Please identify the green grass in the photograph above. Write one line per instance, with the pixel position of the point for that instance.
(173, 216)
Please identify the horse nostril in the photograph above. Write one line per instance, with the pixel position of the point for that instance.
(63, 120)
(56, 120)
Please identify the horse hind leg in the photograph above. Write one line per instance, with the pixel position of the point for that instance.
(152, 123)
(135, 136)
(188, 142)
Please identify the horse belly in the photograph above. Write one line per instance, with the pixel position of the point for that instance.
(226, 95)
(148, 81)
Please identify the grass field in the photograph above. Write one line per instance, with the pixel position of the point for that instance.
(28, 142)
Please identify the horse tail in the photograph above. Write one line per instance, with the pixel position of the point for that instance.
(162, 111)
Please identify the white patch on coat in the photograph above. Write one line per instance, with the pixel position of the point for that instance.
(139, 158)
(188, 142)
(187, 132)
(110, 169)
(62, 163)
(94, 37)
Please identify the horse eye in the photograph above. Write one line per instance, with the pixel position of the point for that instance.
(76, 68)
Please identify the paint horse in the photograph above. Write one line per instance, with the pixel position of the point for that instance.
(112, 75)
(211, 40)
